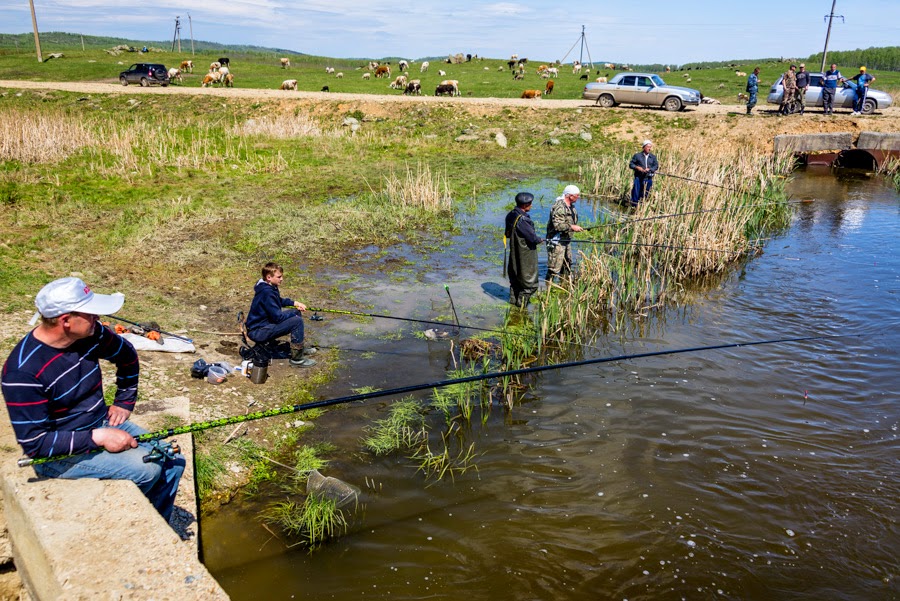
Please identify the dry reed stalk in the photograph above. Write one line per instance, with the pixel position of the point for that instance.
(419, 190)
(282, 126)
(31, 137)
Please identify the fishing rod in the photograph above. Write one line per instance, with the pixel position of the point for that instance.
(712, 250)
(453, 307)
(288, 409)
(134, 323)
(426, 321)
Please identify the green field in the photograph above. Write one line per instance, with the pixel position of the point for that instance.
(260, 68)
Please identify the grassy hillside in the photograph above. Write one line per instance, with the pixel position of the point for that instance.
(260, 68)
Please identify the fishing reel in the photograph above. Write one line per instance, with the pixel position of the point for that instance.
(316, 317)
(160, 450)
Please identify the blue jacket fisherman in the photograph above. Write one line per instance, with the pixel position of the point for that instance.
(53, 389)
(752, 89)
(645, 166)
(523, 253)
(829, 86)
(267, 319)
(862, 80)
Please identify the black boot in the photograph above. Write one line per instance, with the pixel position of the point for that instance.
(513, 297)
(297, 359)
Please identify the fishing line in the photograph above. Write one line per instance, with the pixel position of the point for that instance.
(237, 419)
(712, 250)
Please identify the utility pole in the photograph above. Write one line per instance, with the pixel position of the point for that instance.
(830, 17)
(177, 35)
(191, 24)
(581, 54)
(37, 37)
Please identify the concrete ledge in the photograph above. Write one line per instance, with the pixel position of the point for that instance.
(97, 539)
(870, 140)
(813, 142)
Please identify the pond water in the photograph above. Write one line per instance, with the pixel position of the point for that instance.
(748, 473)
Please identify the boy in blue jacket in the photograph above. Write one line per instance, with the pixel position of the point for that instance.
(267, 319)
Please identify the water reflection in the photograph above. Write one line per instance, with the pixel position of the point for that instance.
(749, 473)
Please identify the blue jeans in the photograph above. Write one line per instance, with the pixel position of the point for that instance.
(158, 480)
(640, 189)
(861, 93)
(271, 331)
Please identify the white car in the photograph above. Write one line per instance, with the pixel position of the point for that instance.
(647, 89)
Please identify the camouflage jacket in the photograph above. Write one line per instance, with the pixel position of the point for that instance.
(562, 218)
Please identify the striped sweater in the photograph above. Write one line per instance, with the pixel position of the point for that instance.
(55, 396)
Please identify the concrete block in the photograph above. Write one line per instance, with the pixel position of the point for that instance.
(870, 140)
(813, 142)
(98, 539)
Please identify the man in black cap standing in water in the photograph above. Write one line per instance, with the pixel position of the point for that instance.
(523, 254)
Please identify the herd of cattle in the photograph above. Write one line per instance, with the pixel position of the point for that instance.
(220, 74)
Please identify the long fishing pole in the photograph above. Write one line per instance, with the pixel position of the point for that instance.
(610, 242)
(134, 323)
(237, 419)
(426, 321)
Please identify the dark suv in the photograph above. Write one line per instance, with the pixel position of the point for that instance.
(145, 74)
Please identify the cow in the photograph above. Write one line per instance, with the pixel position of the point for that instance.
(576, 68)
(444, 90)
(584, 76)
(324, 89)
(211, 78)
(511, 65)
(399, 83)
(531, 94)
(213, 67)
(549, 89)
(413, 87)
(224, 61)
(454, 83)
(553, 71)
(224, 71)
(601, 80)
(187, 66)
(518, 76)
(175, 74)
(229, 80)
(404, 65)
(285, 63)
(424, 67)
(289, 84)
(382, 71)
(740, 74)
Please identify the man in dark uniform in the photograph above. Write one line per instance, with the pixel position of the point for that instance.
(645, 165)
(523, 254)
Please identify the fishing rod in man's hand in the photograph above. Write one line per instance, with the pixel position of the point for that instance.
(403, 390)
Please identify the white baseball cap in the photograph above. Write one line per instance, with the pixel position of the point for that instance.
(571, 190)
(68, 295)
(646, 142)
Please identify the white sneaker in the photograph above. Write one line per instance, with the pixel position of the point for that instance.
(854, 114)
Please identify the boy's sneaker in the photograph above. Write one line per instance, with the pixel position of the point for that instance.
(301, 362)
(309, 351)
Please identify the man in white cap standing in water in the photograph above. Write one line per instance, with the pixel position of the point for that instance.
(645, 166)
(54, 394)
(563, 221)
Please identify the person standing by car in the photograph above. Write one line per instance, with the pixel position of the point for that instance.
(563, 221)
(523, 253)
(862, 80)
(645, 166)
(829, 88)
(789, 82)
(802, 86)
(752, 89)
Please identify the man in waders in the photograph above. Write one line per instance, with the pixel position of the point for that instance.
(523, 254)
(563, 221)
(645, 166)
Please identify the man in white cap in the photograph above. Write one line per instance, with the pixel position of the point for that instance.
(645, 166)
(54, 394)
(563, 221)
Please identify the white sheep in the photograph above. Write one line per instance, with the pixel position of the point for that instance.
(339, 75)
(366, 75)
(424, 67)
(442, 73)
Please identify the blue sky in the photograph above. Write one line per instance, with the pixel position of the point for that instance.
(644, 31)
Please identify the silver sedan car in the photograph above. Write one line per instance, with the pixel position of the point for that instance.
(647, 89)
(843, 97)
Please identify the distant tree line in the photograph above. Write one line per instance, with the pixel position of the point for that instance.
(881, 59)
(60, 40)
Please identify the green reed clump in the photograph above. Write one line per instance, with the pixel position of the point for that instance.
(446, 463)
(315, 520)
(404, 428)
(891, 169)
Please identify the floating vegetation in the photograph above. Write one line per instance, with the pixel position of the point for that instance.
(314, 521)
(404, 428)
(437, 465)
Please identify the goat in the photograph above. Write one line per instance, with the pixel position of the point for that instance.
(424, 67)
(289, 84)
(531, 94)
(399, 83)
(339, 75)
(518, 76)
(601, 80)
(325, 89)
(584, 76)
(454, 83)
(366, 75)
(442, 73)
(403, 65)
(413, 87)
(329, 70)
(740, 74)
(285, 63)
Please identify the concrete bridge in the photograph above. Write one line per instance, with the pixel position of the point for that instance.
(869, 151)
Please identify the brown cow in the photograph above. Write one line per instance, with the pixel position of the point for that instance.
(285, 63)
(382, 71)
(187, 66)
(531, 94)
(549, 89)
